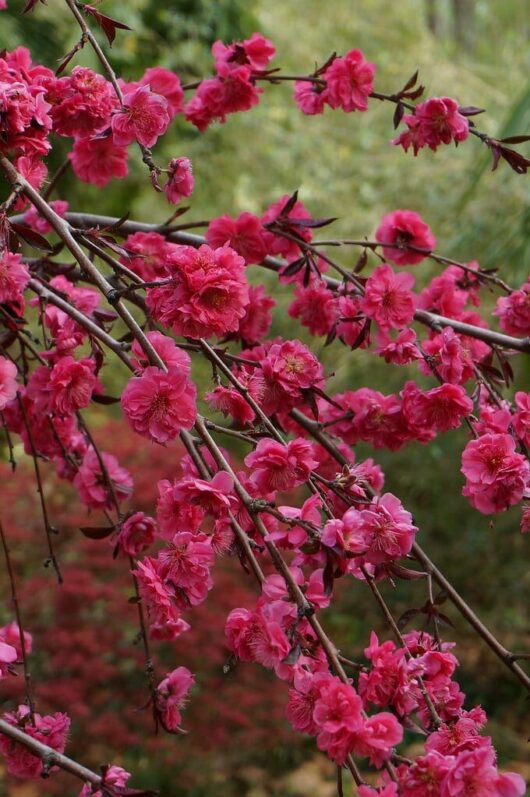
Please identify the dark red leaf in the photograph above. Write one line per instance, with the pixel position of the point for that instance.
(107, 24)
(289, 205)
(312, 223)
(515, 139)
(398, 114)
(411, 82)
(97, 532)
(99, 398)
(470, 110)
(34, 239)
(406, 617)
(30, 5)
(361, 263)
(405, 573)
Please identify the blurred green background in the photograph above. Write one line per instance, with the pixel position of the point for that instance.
(474, 50)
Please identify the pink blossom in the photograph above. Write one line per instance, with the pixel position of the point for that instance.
(145, 117)
(435, 121)
(521, 417)
(514, 311)
(388, 529)
(230, 402)
(257, 320)
(8, 656)
(173, 513)
(379, 734)
(288, 368)
(171, 355)
(449, 356)
(172, 695)
(112, 776)
(33, 218)
(91, 483)
(257, 51)
(8, 382)
(440, 408)
(525, 519)
(275, 214)
(82, 103)
(401, 351)
(207, 295)
(167, 84)
(239, 630)
(231, 91)
(473, 772)
(244, 234)
(14, 276)
(185, 564)
(316, 307)
(349, 82)
(425, 776)
(137, 533)
(496, 476)
(405, 228)
(148, 252)
(388, 299)
(98, 160)
(159, 405)
(180, 181)
(390, 790)
(280, 467)
(71, 384)
(158, 600)
(10, 635)
(49, 729)
(310, 97)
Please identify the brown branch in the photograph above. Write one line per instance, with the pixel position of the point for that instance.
(14, 600)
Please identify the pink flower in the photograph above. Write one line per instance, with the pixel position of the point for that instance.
(172, 695)
(173, 513)
(310, 97)
(91, 483)
(239, 630)
(388, 530)
(277, 215)
(171, 355)
(8, 382)
(281, 467)
(148, 252)
(473, 772)
(521, 418)
(144, 118)
(425, 776)
(231, 91)
(316, 307)
(514, 311)
(98, 160)
(256, 51)
(257, 320)
(388, 299)
(207, 295)
(379, 734)
(159, 405)
(180, 181)
(350, 81)
(440, 408)
(390, 790)
(10, 635)
(113, 776)
(288, 368)
(245, 235)
(525, 519)
(137, 533)
(496, 476)
(82, 103)
(14, 276)
(185, 564)
(435, 121)
(71, 384)
(164, 616)
(8, 656)
(51, 730)
(33, 218)
(405, 229)
(167, 84)
(401, 351)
